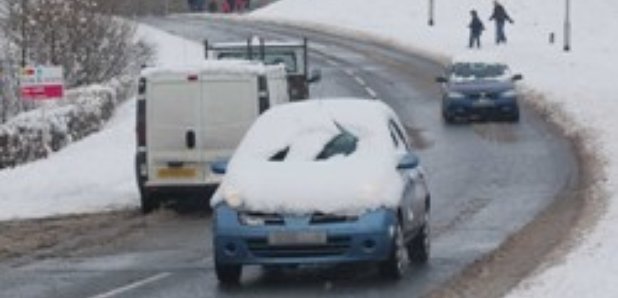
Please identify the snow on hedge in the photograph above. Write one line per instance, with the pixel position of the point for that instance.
(365, 179)
(35, 134)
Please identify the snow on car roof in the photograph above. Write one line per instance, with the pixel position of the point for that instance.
(214, 67)
(477, 57)
(299, 183)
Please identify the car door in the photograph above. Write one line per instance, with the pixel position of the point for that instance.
(407, 201)
(415, 190)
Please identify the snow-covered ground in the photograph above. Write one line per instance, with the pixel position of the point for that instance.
(95, 174)
(580, 83)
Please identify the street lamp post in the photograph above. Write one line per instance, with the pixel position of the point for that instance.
(431, 12)
(567, 26)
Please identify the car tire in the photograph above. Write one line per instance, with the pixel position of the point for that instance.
(397, 263)
(420, 247)
(228, 274)
(149, 202)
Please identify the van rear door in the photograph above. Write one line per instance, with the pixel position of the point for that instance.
(229, 108)
(173, 131)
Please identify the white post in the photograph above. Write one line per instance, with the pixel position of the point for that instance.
(431, 12)
(567, 26)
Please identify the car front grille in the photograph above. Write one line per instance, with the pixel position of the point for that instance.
(259, 247)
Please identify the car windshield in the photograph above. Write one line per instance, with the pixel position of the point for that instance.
(478, 70)
(342, 144)
(288, 59)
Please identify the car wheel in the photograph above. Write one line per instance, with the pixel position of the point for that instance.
(149, 202)
(420, 247)
(448, 119)
(228, 274)
(397, 263)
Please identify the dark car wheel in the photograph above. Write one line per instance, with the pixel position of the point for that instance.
(149, 201)
(420, 247)
(397, 263)
(228, 274)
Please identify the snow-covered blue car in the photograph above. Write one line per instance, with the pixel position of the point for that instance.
(479, 89)
(322, 182)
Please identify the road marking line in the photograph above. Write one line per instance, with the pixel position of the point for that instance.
(133, 286)
(371, 92)
(360, 81)
(349, 72)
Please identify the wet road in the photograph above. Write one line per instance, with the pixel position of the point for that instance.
(487, 182)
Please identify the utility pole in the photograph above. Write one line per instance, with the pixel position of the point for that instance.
(431, 12)
(567, 26)
(24, 37)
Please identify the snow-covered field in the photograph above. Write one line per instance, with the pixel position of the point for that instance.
(580, 83)
(95, 174)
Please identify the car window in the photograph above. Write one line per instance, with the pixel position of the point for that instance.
(398, 132)
(478, 70)
(287, 59)
(344, 143)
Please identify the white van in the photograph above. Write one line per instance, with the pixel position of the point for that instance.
(189, 117)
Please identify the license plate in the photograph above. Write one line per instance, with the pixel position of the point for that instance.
(296, 238)
(483, 103)
(177, 173)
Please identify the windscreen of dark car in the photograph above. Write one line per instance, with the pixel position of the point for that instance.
(478, 71)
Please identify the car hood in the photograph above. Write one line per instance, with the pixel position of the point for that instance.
(481, 86)
(344, 186)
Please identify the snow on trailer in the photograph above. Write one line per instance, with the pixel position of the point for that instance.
(284, 148)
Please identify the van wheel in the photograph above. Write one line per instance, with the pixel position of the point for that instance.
(228, 274)
(420, 247)
(397, 263)
(149, 203)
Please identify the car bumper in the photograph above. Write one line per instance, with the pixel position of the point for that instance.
(496, 112)
(367, 239)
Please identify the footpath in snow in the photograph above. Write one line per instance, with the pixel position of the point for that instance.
(95, 174)
(578, 87)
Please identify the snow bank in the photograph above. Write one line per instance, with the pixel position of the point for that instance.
(37, 133)
(580, 83)
(365, 179)
(95, 174)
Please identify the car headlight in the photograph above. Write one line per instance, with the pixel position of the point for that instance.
(251, 219)
(455, 95)
(508, 94)
(232, 198)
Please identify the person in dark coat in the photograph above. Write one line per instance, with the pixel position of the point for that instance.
(500, 16)
(476, 29)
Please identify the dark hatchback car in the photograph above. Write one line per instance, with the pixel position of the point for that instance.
(481, 91)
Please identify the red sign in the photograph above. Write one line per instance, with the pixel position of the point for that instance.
(42, 92)
(42, 83)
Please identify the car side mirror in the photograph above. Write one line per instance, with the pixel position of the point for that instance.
(517, 77)
(408, 162)
(441, 80)
(315, 76)
(219, 166)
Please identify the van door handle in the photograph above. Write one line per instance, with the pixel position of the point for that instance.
(190, 139)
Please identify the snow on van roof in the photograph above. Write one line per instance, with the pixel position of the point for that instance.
(215, 67)
(278, 168)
